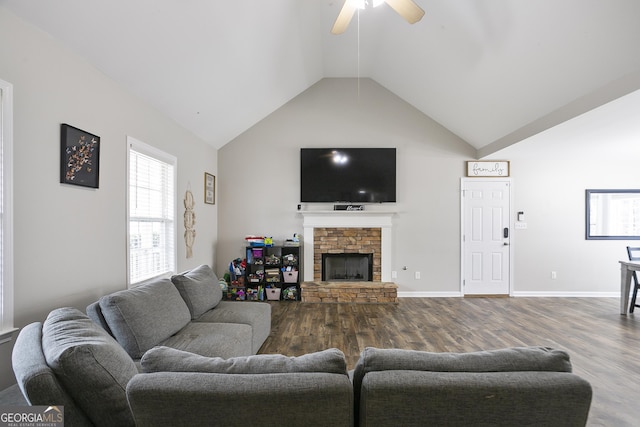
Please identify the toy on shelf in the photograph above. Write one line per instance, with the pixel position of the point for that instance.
(294, 242)
(237, 268)
(255, 241)
(290, 293)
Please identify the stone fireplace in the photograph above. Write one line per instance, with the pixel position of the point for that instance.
(346, 242)
(348, 234)
(351, 225)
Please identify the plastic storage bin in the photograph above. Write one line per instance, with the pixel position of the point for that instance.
(290, 276)
(273, 294)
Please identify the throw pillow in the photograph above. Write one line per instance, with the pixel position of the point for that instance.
(161, 359)
(199, 288)
(90, 365)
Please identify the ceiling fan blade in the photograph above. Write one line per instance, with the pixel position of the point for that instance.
(343, 19)
(410, 11)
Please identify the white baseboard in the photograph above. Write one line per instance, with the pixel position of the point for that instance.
(428, 294)
(515, 294)
(567, 294)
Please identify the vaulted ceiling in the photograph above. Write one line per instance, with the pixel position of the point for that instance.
(491, 71)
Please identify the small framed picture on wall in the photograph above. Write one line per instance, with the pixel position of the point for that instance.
(79, 157)
(209, 189)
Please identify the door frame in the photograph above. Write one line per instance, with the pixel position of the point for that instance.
(462, 230)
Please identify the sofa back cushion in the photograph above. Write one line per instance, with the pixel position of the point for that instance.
(142, 317)
(502, 360)
(95, 313)
(165, 359)
(90, 365)
(516, 359)
(199, 288)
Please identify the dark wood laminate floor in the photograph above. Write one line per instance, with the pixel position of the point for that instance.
(604, 345)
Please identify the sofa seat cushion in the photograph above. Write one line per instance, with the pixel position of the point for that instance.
(199, 288)
(256, 314)
(212, 339)
(90, 365)
(159, 359)
(143, 317)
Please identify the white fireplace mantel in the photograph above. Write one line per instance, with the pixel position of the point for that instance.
(348, 219)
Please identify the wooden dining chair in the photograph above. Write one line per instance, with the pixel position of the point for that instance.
(634, 255)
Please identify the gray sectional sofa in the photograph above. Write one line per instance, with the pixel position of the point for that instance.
(169, 353)
(70, 361)
(187, 313)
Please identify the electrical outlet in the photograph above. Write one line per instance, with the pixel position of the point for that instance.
(417, 275)
(554, 275)
(394, 274)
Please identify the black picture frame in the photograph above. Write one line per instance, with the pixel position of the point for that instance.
(209, 189)
(79, 157)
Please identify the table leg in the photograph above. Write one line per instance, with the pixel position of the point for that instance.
(625, 287)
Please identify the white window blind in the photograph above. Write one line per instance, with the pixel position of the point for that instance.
(6, 211)
(152, 235)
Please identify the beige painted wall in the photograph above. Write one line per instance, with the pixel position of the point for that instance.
(550, 171)
(260, 176)
(70, 242)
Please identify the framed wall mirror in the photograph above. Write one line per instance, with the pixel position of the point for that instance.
(612, 214)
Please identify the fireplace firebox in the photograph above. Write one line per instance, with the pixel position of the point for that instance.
(347, 267)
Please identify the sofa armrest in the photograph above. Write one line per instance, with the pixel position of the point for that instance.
(36, 379)
(187, 399)
(419, 398)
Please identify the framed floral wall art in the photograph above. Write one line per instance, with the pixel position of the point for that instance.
(79, 157)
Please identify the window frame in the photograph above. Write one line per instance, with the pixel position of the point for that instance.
(148, 150)
(597, 198)
(6, 212)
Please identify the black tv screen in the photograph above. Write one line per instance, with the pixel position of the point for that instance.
(353, 175)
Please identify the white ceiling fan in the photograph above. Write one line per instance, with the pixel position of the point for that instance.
(410, 11)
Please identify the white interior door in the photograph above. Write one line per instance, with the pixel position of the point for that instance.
(486, 237)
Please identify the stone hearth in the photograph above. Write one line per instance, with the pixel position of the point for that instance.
(358, 292)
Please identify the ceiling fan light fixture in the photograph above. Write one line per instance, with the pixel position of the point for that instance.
(408, 9)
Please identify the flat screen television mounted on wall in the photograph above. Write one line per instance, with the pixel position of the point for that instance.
(348, 175)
